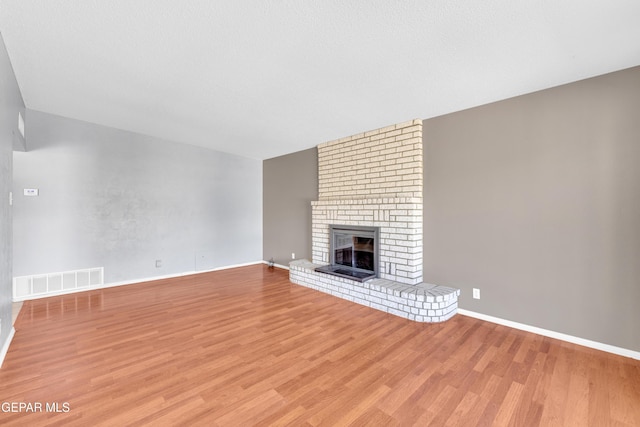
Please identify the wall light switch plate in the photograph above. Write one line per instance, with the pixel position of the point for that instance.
(31, 191)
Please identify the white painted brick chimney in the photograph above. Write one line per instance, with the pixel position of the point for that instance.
(374, 179)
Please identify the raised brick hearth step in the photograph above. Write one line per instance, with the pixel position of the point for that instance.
(422, 302)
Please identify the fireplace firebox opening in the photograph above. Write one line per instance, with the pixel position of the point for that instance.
(353, 252)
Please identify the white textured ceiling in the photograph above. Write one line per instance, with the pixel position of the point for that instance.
(264, 78)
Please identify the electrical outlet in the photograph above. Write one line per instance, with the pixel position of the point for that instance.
(476, 293)
(293, 255)
(158, 263)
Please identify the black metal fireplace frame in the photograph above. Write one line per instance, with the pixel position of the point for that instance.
(352, 272)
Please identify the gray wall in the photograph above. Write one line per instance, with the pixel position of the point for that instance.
(10, 104)
(119, 200)
(290, 184)
(536, 201)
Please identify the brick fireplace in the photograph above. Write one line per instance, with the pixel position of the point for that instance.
(374, 179)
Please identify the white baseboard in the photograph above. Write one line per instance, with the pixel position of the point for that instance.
(173, 276)
(552, 334)
(5, 346)
(284, 267)
(134, 281)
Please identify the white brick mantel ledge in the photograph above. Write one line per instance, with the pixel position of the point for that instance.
(421, 303)
(416, 201)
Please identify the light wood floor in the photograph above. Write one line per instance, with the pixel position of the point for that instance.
(246, 347)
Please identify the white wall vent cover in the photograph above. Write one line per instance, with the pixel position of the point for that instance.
(44, 285)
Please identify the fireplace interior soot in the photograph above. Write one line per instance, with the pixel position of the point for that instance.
(353, 252)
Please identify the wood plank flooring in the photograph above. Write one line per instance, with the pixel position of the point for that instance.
(247, 347)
